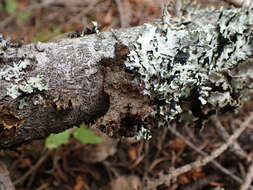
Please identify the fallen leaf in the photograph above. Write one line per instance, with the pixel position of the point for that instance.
(183, 179)
(98, 152)
(80, 184)
(124, 183)
(177, 145)
(133, 153)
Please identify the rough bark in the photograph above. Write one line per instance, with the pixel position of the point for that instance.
(48, 87)
(73, 72)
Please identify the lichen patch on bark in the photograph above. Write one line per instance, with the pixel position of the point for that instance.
(176, 60)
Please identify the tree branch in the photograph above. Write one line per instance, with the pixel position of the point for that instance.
(48, 87)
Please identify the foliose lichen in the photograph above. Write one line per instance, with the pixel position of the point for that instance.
(13, 70)
(30, 86)
(175, 60)
(143, 133)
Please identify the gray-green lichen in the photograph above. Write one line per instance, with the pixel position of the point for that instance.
(30, 86)
(143, 133)
(15, 71)
(177, 60)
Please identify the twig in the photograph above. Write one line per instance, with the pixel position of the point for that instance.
(5, 181)
(240, 3)
(200, 184)
(237, 3)
(75, 18)
(248, 179)
(224, 134)
(215, 163)
(84, 11)
(178, 8)
(6, 21)
(157, 161)
(160, 141)
(215, 153)
(166, 179)
(122, 14)
(42, 187)
(34, 168)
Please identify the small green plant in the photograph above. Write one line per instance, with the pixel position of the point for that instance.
(55, 140)
(86, 135)
(10, 6)
(82, 133)
(24, 16)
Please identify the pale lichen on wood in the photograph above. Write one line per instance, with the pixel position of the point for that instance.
(180, 60)
(13, 71)
(48, 87)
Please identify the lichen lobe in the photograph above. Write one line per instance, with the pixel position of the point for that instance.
(20, 81)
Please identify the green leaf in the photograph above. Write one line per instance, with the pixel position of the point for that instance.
(10, 6)
(55, 140)
(23, 16)
(87, 136)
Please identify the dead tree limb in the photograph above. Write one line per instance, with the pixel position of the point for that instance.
(48, 87)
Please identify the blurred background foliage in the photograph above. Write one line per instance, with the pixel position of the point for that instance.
(41, 20)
